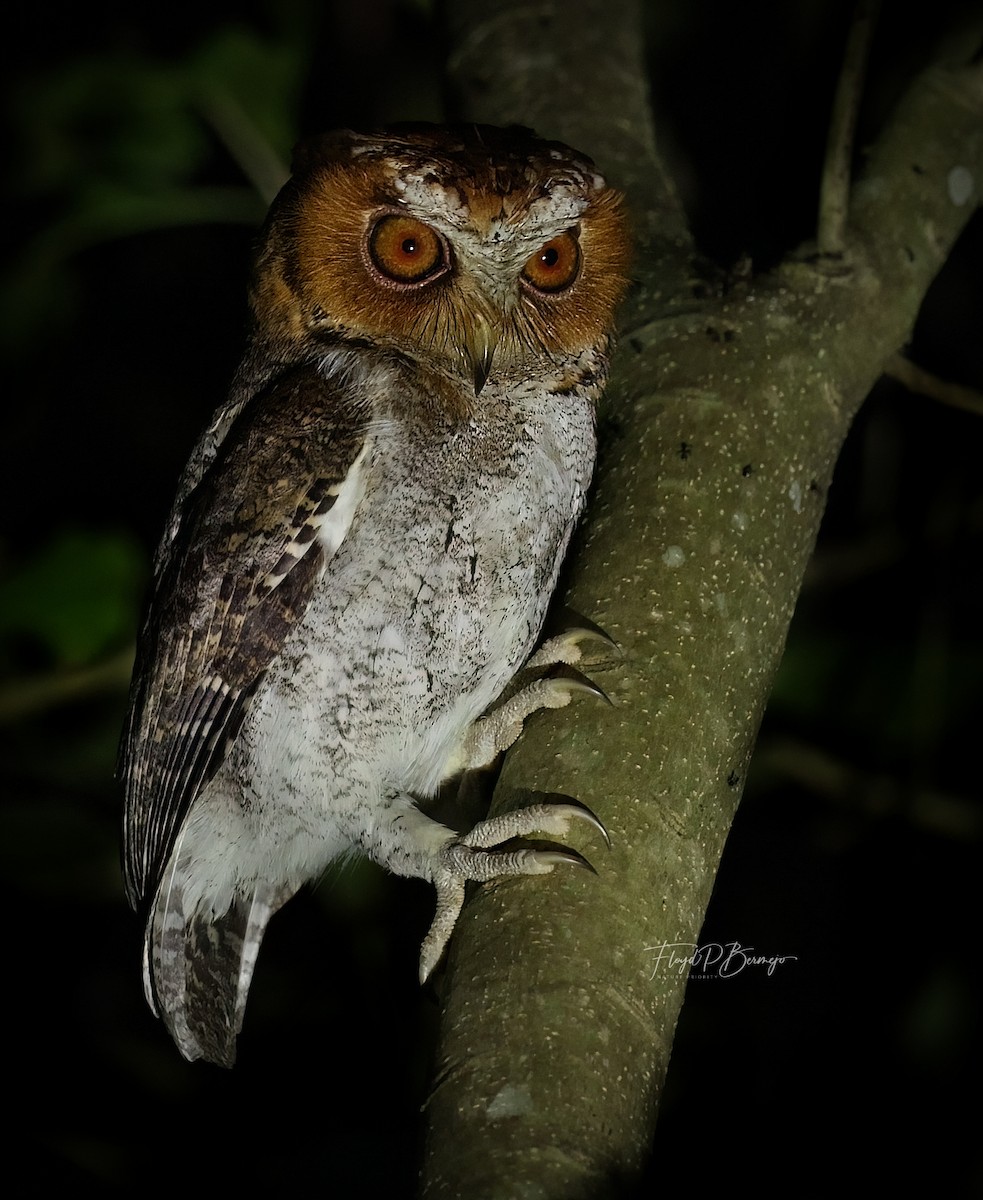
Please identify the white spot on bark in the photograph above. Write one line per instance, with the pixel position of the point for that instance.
(739, 521)
(511, 1101)
(795, 495)
(960, 182)
(674, 556)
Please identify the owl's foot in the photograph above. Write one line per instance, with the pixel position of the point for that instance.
(491, 735)
(474, 856)
(567, 647)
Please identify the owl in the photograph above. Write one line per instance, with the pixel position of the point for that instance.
(363, 546)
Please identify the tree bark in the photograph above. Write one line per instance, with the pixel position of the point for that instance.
(722, 424)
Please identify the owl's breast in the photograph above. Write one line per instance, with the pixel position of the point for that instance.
(439, 589)
(481, 518)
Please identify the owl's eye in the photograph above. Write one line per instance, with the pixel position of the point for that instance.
(405, 250)
(555, 266)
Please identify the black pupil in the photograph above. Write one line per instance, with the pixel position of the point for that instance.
(550, 257)
(409, 246)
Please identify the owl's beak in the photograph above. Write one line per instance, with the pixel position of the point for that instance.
(480, 343)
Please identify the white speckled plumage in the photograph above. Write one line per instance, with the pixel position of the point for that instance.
(364, 545)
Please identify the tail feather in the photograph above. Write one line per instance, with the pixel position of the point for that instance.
(198, 967)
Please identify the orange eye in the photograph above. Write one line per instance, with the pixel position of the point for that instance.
(555, 266)
(405, 250)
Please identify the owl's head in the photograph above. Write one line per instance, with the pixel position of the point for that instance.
(469, 249)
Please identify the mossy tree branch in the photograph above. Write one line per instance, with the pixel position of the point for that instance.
(727, 413)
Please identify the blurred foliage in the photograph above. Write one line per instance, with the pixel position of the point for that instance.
(141, 145)
(116, 144)
(73, 600)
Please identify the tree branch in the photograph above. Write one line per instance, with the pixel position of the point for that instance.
(28, 697)
(924, 383)
(728, 415)
(834, 192)
(512, 62)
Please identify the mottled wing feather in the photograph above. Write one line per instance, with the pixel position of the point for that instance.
(243, 565)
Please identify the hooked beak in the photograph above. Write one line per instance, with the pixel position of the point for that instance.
(479, 349)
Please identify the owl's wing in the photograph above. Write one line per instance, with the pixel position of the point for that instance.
(252, 539)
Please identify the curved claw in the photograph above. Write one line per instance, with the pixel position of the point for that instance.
(564, 645)
(593, 632)
(576, 681)
(480, 855)
(580, 810)
(570, 857)
(568, 622)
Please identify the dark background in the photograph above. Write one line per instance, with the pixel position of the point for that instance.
(855, 851)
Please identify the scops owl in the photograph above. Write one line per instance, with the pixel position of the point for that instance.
(363, 546)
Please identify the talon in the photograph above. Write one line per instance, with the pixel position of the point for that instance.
(564, 647)
(576, 681)
(482, 855)
(589, 631)
(568, 621)
(571, 857)
(580, 810)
